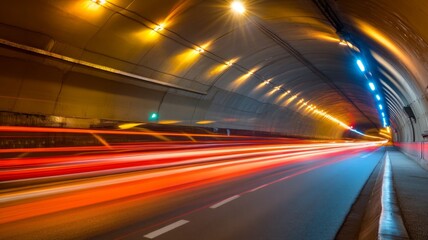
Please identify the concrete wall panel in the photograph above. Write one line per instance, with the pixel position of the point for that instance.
(92, 97)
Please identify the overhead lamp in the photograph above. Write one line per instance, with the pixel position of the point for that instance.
(100, 2)
(199, 50)
(228, 63)
(158, 28)
(380, 106)
(351, 46)
(377, 97)
(238, 7)
(361, 65)
(343, 42)
(267, 82)
(372, 86)
(383, 114)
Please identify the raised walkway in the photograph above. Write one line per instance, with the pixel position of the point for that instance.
(411, 187)
(390, 211)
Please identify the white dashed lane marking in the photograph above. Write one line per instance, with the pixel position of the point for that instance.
(259, 187)
(165, 229)
(224, 201)
(367, 155)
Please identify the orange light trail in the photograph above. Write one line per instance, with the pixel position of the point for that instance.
(129, 175)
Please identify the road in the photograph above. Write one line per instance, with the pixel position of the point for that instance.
(266, 189)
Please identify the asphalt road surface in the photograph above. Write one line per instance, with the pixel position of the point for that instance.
(255, 190)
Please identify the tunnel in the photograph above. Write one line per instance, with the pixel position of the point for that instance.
(310, 70)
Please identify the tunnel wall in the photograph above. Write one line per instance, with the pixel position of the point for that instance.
(70, 95)
(305, 62)
(74, 96)
(124, 38)
(408, 133)
(398, 42)
(416, 150)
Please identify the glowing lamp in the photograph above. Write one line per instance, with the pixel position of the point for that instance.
(199, 50)
(100, 2)
(372, 86)
(361, 65)
(153, 116)
(238, 7)
(158, 28)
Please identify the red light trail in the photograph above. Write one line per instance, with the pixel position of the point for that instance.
(127, 175)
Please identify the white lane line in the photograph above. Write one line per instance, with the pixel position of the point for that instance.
(367, 155)
(165, 229)
(224, 201)
(259, 187)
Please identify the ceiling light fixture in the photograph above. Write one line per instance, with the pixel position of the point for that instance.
(238, 7)
(372, 86)
(361, 65)
(199, 50)
(100, 2)
(158, 28)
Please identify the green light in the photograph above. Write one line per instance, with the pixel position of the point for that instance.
(153, 117)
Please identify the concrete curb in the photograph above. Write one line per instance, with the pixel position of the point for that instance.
(382, 219)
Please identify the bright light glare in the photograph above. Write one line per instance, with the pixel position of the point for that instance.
(361, 65)
(380, 106)
(153, 116)
(377, 97)
(238, 7)
(200, 50)
(158, 28)
(383, 114)
(100, 2)
(343, 42)
(372, 86)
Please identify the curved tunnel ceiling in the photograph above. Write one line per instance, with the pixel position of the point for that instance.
(281, 52)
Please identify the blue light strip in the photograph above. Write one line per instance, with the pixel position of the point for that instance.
(371, 83)
(361, 65)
